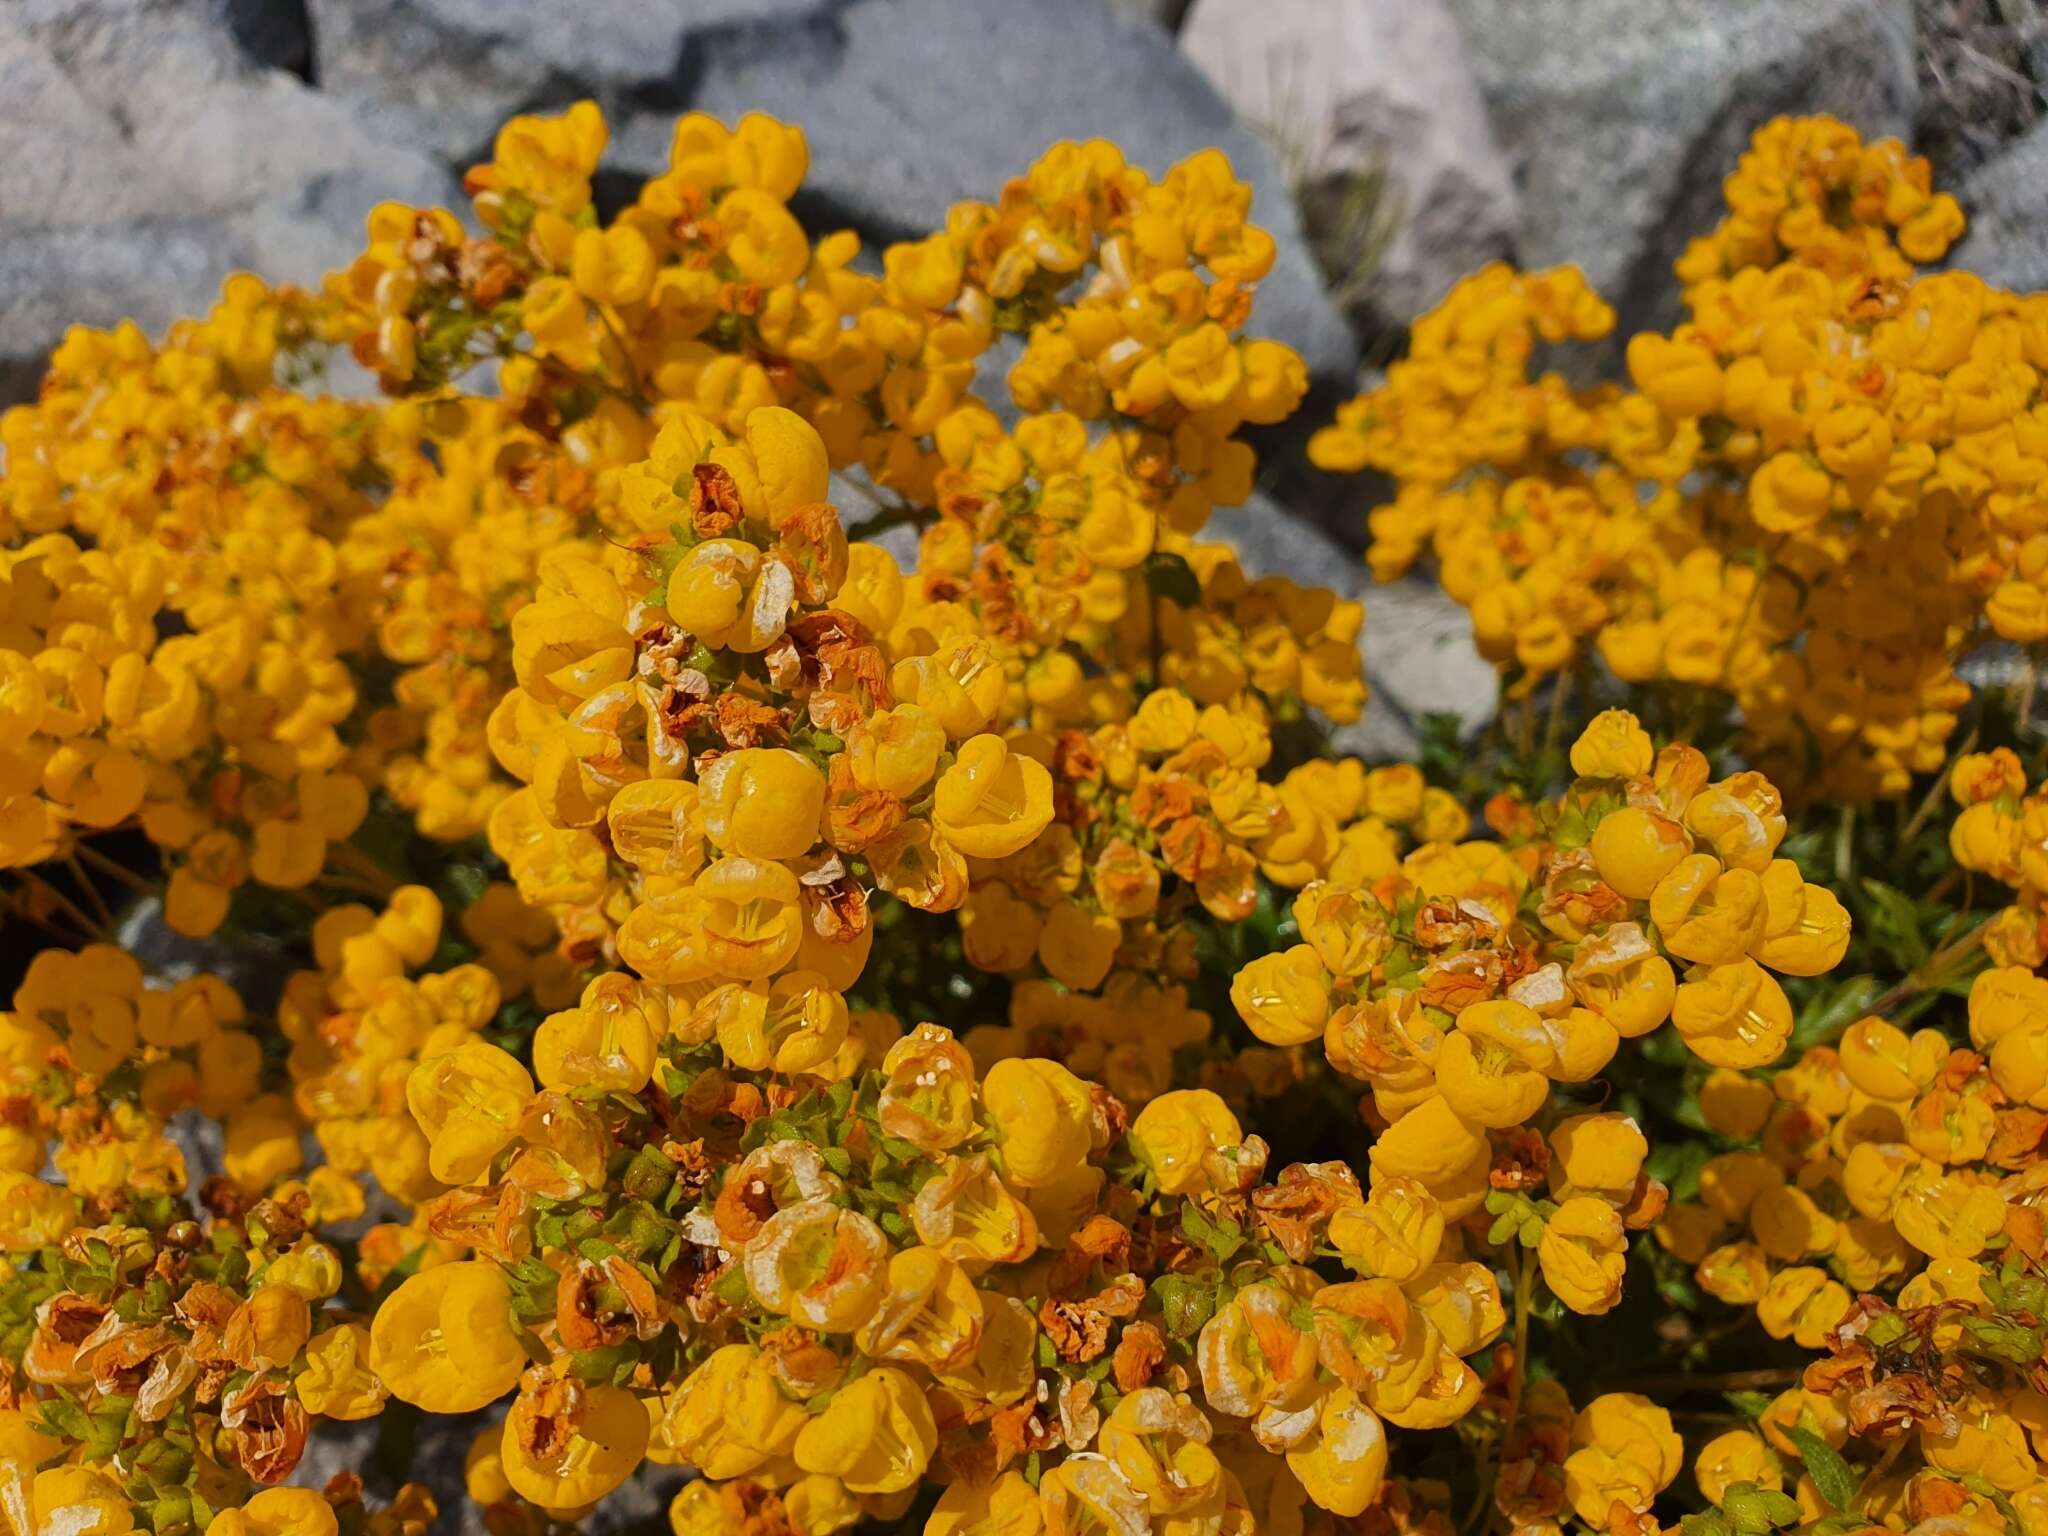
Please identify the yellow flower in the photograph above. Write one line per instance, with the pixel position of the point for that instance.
(896, 750)
(613, 266)
(1621, 977)
(1584, 1254)
(1733, 1015)
(1597, 1154)
(1078, 946)
(1160, 1443)
(1742, 819)
(931, 1314)
(1043, 1115)
(1284, 997)
(1706, 914)
(1736, 1456)
(1490, 1069)
(763, 239)
(1006, 1506)
(1395, 1234)
(970, 1216)
(445, 1340)
(1202, 368)
(1342, 1462)
(1806, 928)
(762, 803)
(1682, 377)
(823, 1266)
(468, 1103)
(337, 1382)
(730, 1416)
(876, 1436)
(1624, 1453)
(1613, 746)
(607, 1041)
(992, 801)
(1187, 1139)
(1438, 1148)
(566, 1444)
(1253, 1355)
(279, 1512)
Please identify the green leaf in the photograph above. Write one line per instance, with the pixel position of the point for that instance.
(731, 1287)
(1834, 1009)
(2001, 1338)
(1833, 1478)
(1895, 923)
(1836, 1525)
(1187, 1304)
(1222, 1237)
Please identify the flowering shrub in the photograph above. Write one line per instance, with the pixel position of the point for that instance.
(845, 1035)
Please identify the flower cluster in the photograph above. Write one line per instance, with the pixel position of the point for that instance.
(1877, 1202)
(1277, 1140)
(1818, 489)
(1474, 980)
(150, 484)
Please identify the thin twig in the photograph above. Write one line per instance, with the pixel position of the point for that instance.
(115, 869)
(1934, 790)
(1932, 971)
(92, 892)
(348, 857)
(65, 904)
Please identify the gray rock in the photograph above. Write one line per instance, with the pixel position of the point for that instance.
(255, 967)
(144, 158)
(912, 105)
(2006, 200)
(1404, 188)
(150, 149)
(1417, 643)
(1622, 118)
(445, 74)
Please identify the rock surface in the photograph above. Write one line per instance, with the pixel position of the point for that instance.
(1419, 657)
(912, 105)
(2006, 200)
(144, 157)
(150, 147)
(1622, 118)
(1405, 189)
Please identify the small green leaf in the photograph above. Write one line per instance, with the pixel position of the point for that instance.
(1833, 1478)
(1895, 923)
(1834, 1009)
(1751, 1405)
(1186, 1302)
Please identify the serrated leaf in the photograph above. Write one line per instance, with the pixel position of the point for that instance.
(1833, 1478)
